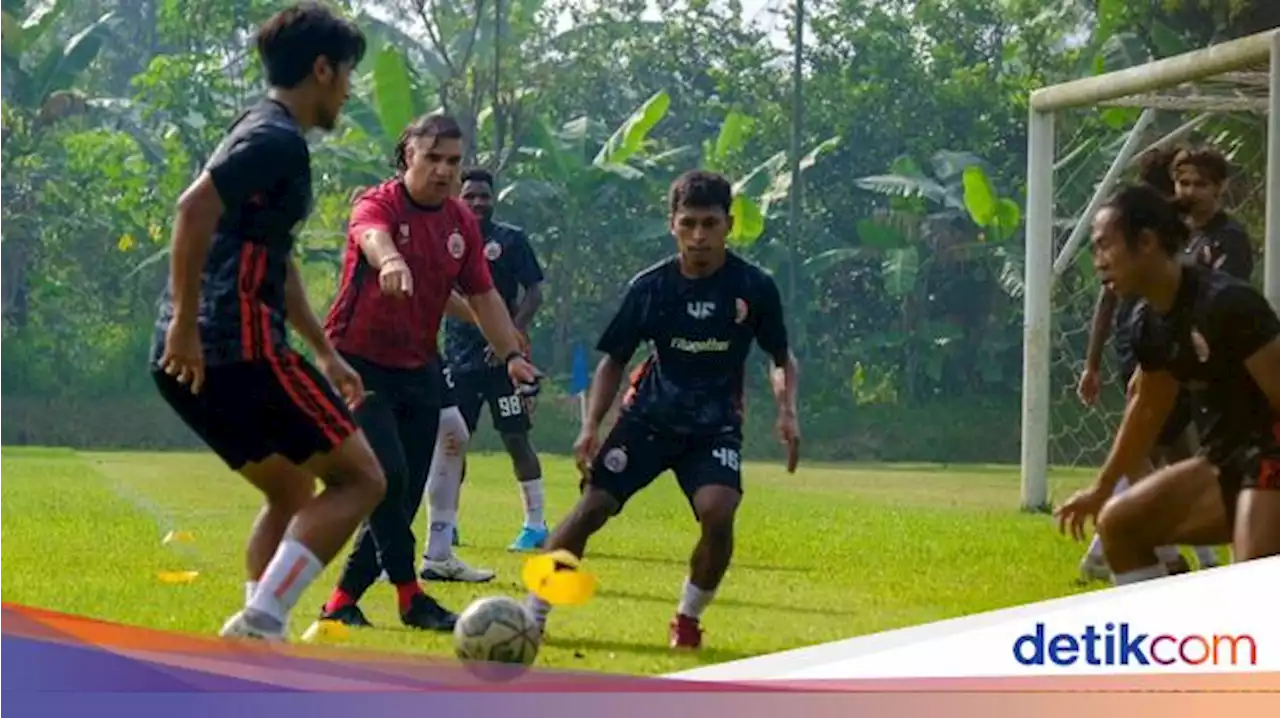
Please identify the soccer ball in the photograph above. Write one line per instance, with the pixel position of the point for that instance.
(496, 629)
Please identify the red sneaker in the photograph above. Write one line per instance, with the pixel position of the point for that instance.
(685, 632)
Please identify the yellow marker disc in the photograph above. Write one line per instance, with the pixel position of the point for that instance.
(557, 578)
(179, 537)
(176, 577)
(323, 631)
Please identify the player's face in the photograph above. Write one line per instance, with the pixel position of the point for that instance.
(432, 167)
(479, 197)
(1121, 268)
(1191, 184)
(334, 87)
(700, 233)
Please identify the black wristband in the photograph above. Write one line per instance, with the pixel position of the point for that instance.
(511, 356)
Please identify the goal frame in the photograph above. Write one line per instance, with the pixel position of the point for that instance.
(1040, 269)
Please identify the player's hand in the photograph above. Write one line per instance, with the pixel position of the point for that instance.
(788, 429)
(1082, 506)
(584, 452)
(1090, 387)
(183, 356)
(395, 279)
(524, 375)
(345, 379)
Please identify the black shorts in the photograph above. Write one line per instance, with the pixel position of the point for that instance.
(632, 456)
(1180, 417)
(1250, 464)
(247, 411)
(492, 386)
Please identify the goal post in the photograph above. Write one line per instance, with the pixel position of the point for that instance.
(1138, 86)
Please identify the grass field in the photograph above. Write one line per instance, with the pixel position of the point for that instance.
(826, 554)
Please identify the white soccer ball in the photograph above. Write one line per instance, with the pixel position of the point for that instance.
(496, 629)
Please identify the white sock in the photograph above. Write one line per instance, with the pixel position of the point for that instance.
(443, 484)
(694, 600)
(1206, 556)
(1168, 554)
(291, 570)
(1095, 549)
(1121, 486)
(249, 588)
(1156, 570)
(531, 493)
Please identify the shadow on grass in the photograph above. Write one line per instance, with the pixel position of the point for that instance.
(707, 654)
(685, 562)
(671, 598)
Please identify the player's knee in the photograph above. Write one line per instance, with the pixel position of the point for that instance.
(1118, 519)
(716, 507)
(453, 430)
(595, 508)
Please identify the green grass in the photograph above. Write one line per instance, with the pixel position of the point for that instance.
(826, 554)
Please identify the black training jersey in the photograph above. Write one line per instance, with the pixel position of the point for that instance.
(700, 332)
(1217, 322)
(1224, 245)
(262, 173)
(512, 264)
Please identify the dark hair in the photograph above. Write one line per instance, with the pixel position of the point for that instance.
(1155, 169)
(1142, 207)
(702, 189)
(478, 174)
(290, 42)
(1207, 160)
(441, 127)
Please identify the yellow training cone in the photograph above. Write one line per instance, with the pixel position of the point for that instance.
(556, 578)
(323, 631)
(177, 577)
(178, 537)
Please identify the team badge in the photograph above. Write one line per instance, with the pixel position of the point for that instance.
(492, 251)
(456, 245)
(616, 460)
(1200, 345)
(740, 307)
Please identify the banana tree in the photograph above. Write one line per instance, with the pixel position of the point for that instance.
(584, 193)
(37, 85)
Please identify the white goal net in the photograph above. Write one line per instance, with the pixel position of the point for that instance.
(1086, 137)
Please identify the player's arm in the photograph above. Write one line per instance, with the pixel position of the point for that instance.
(457, 307)
(771, 335)
(1100, 330)
(371, 222)
(529, 275)
(1152, 398)
(618, 343)
(300, 314)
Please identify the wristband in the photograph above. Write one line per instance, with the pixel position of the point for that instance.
(513, 355)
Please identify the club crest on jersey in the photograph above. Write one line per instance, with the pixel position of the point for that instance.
(1200, 345)
(740, 310)
(492, 250)
(456, 245)
(616, 460)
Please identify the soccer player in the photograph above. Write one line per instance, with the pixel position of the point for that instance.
(1176, 441)
(699, 311)
(221, 358)
(1196, 330)
(409, 244)
(479, 377)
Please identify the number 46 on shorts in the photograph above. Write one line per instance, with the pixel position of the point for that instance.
(727, 457)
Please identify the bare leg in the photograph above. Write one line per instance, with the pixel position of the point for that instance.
(1257, 529)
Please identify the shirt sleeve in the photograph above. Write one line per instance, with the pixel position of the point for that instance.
(771, 329)
(255, 163)
(626, 330)
(1240, 323)
(371, 211)
(528, 270)
(474, 277)
(1233, 252)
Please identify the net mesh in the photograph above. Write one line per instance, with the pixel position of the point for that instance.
(1229, 112)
